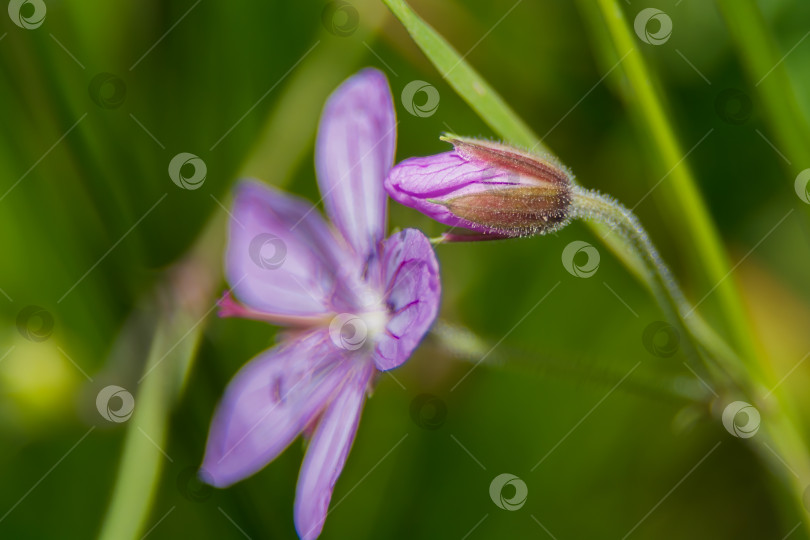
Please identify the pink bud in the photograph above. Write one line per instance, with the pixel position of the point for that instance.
(486, 187)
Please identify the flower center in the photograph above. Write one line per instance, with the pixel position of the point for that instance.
(353, 331)
(375, 321)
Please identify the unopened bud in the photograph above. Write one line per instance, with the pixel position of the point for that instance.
(487, 187)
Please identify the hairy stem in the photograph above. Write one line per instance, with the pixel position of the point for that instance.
(780, 423)
(701, 242)
(699, 338)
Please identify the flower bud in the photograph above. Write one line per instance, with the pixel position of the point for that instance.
(486, 187)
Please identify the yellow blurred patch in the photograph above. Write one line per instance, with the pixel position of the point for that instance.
(781, 321)
(38, 383)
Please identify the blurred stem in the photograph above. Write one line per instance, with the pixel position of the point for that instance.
(591, 205)
(491, 107)
(764, 63)
(461, 343)
(682, 194)
(472, 88)
(279, 150)
(780, 423)
(288, 133)
(183, 301)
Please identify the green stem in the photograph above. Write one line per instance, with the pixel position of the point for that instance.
(461, 343)
(182, 301)
(589, 204)
(764, 63)
(493, 110)
(278, 152)
(490, 107)
(464, 79)
(779, 423)
(593, 206)
(680, 189)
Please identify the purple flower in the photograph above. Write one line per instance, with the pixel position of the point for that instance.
(355, 303)
(486, 187)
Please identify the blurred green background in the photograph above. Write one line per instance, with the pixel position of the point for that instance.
(92, 229)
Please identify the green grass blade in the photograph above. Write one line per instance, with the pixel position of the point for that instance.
(183, 302)
(467, 82)
(680, 190)
(483, 99)
(489, 105)
(767, 71)
(275, 157)
(681, 193)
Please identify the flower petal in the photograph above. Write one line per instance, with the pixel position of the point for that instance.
(413, 291)
(282, 257)
(354, 151)
(416, 182)
(327, 453)
(268, 403)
